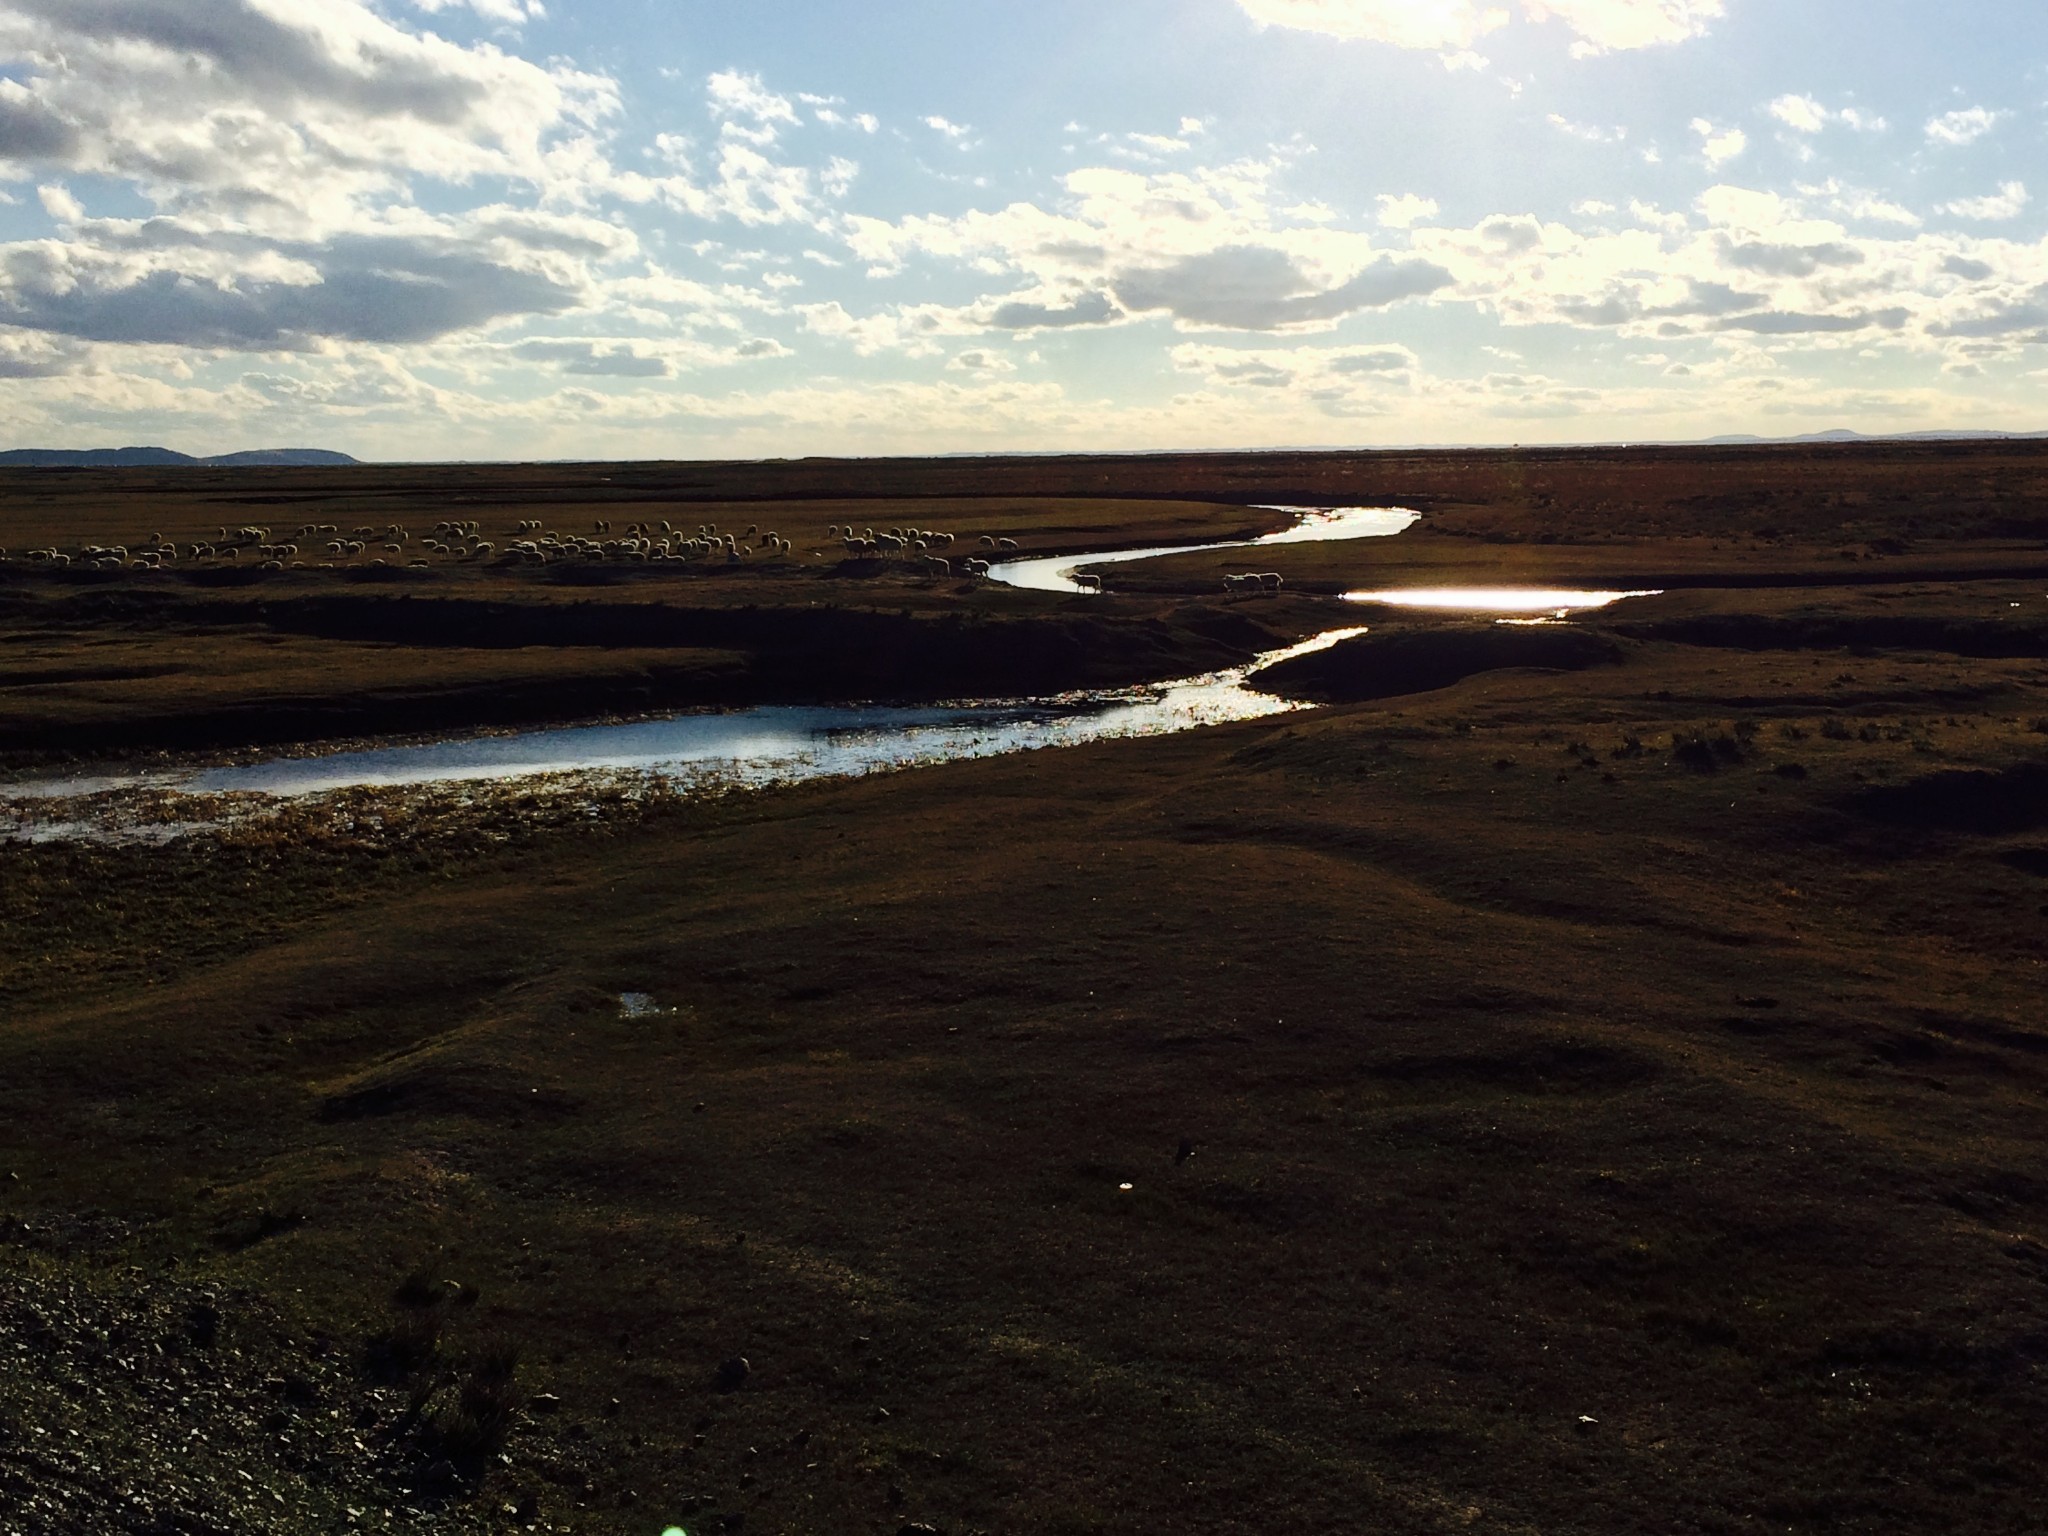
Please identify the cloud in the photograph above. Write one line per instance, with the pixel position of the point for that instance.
(1331, 381)
(1434, 24)
(511, 13)
(2021, 317)
(1209, 247)
(1779, 324)
(294, 112)
(1854, 203)
(981, 362)
(1258, 288)
(1405, 211)
(27, 355)
(744, 181)
(2006, 203)
(282, 145)
(1591, 133)
(1803, 114)
(364, 288)
(1790, 260)
(1448, 26)
(1718, 146)
(1084, 309)
(615, 359)
(746, 108)
(1605, 26)
(1962, 127)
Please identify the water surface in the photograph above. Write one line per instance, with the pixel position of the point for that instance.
(1315, 525)
(771, 744)
(1557, 601)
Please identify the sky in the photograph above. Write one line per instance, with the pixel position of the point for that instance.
(532, 229)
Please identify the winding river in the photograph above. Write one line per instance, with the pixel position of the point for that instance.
(779, 744)
(1313, 525)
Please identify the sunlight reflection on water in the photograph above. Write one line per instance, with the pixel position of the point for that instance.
(1316, 525)
(773, 744)
(1553, 600)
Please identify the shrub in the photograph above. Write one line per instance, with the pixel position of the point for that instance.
(488, 1395)
(410, 1344)
(1706, 754)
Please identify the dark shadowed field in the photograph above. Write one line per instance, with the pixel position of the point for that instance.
(1583, 1079)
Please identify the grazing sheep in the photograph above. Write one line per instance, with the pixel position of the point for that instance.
(1088, 583)
(1008, 544)
(1270, 581)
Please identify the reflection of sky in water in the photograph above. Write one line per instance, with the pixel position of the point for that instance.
(772, 744)
(1317, 525)
(1494, 599)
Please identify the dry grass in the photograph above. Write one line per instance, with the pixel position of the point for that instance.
(1479, 1068)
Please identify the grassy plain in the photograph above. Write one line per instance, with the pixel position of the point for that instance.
(1591, 1100)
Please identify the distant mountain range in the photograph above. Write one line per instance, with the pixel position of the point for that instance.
(154, 458)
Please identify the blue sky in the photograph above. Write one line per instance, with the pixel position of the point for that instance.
(650, 228)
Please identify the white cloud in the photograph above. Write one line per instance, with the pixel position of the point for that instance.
(1591, 133)
(1207, 248)
(1432, 24)
(1719, 145)
(957, 132)
(1962, 127)
(1453, 26)
(2006, 203)
(1405, 211)
(1802, 114)
(1854, 203)
(280, 145)
(1607, 25)
(511, 13)
(288, 114)
(746, 108)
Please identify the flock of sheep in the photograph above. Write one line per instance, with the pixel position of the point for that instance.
(324, 546)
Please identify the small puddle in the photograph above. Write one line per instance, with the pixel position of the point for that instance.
(1315, 525)
(1553, 601)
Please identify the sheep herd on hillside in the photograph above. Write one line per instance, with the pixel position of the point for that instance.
(925, 552)
(529, 542)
